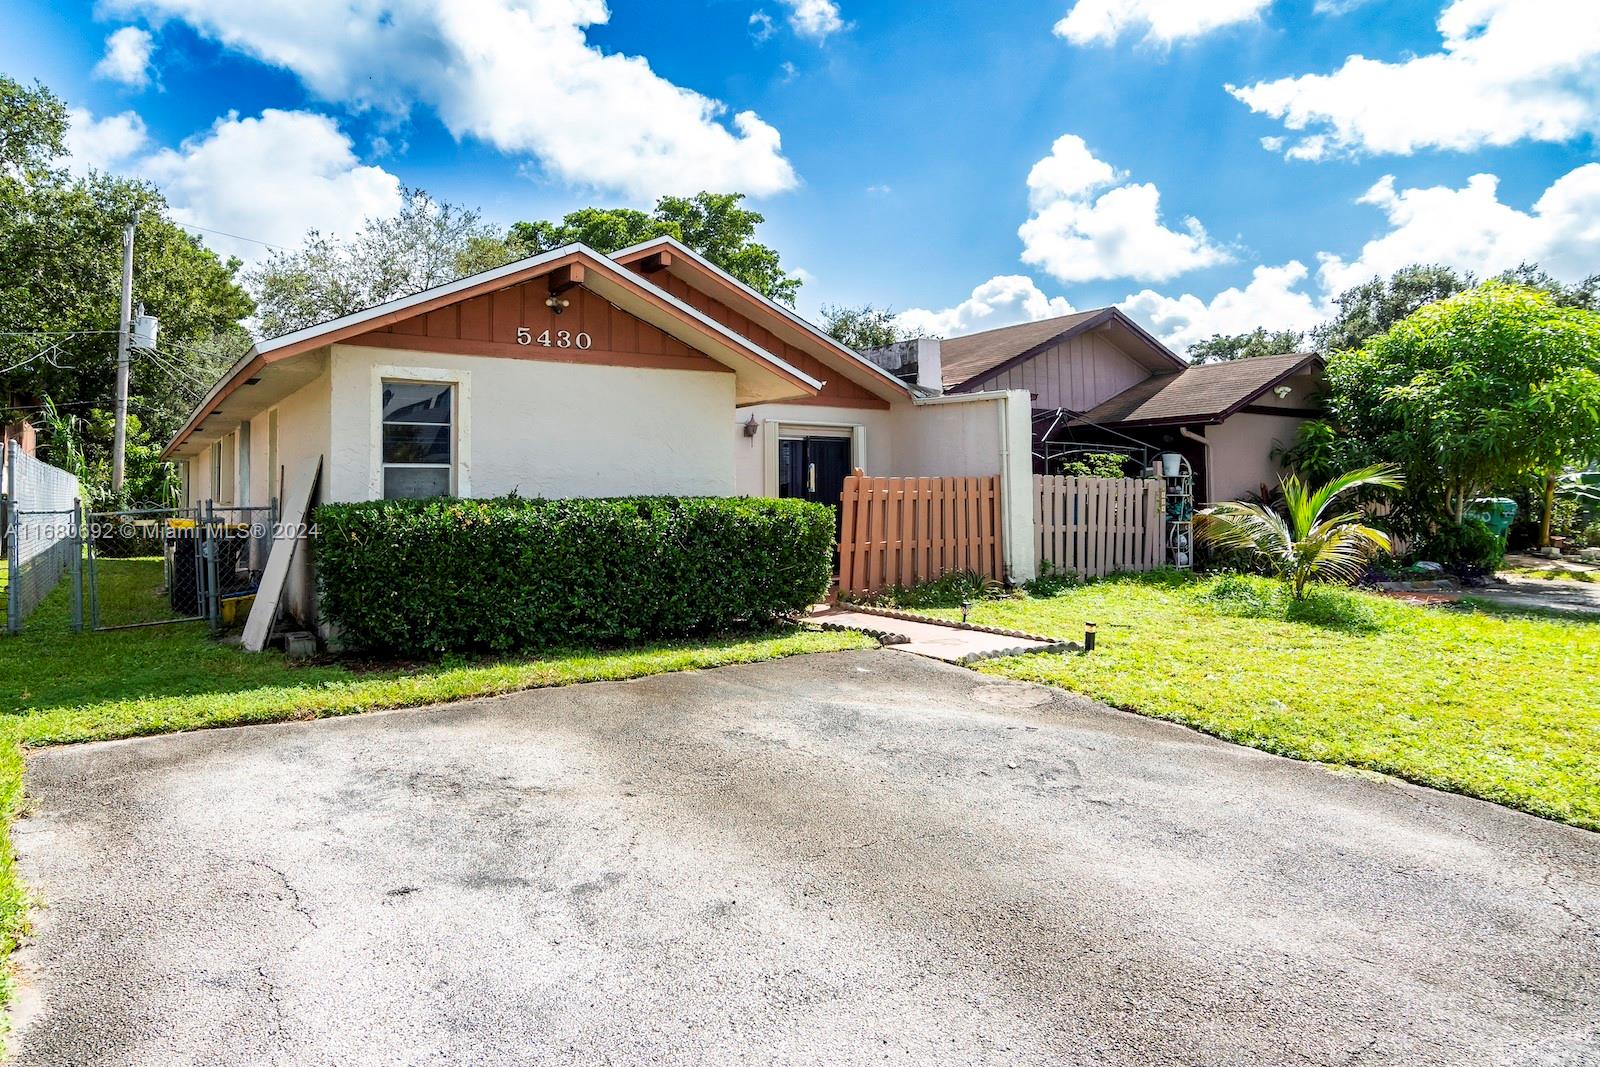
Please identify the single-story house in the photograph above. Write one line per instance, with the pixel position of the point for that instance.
(573, 373)
(1098, 382)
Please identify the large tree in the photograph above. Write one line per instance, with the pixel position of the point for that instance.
(1472, 393)
(426, 243)
(862, 327)
(1222, 348)
(713, 224)
(60, 271)
(1369, 309)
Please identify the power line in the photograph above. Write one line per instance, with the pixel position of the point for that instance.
(235, 236)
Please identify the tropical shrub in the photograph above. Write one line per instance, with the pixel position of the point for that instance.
(1095, 465)
(443, 575)
(1310, 541)
(949, 590)
(1469, 549)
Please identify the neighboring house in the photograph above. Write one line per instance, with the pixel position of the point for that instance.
(1098, 381)
(575, 374)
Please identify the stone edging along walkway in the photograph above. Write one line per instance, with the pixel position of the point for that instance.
(937, 638)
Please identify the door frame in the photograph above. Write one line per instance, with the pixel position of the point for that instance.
(775, 430)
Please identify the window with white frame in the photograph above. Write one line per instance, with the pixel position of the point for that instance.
(418, 439)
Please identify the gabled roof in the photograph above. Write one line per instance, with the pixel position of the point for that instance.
(763, 376)
(969, 359)
(804, 334)
(1206, 393)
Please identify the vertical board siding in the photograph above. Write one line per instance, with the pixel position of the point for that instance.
(901, 531)
(1094, 526)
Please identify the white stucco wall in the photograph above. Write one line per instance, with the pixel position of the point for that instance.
(544, 428)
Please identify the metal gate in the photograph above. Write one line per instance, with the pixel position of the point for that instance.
(152, 566)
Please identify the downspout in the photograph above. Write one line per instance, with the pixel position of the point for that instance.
(1184, 431)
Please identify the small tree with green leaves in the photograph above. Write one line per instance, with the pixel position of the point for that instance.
(1472, 393)
(1311, 540)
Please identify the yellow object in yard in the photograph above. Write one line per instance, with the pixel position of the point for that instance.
(180, 524)
(235, 609)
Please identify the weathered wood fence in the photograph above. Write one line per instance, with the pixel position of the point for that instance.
(900, 531)
(1093, 526)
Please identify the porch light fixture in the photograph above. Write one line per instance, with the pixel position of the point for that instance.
(1282, 392)
(752, 427)
(557, 304)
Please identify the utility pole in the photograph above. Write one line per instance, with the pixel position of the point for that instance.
(119, 444)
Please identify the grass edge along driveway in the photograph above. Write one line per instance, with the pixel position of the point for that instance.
(1502, 707)
(62, 688)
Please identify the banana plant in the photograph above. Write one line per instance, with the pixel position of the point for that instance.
(1312, 540)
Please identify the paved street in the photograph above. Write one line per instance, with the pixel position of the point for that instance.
(858, 858)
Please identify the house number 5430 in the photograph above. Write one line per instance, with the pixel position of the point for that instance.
(554, 338)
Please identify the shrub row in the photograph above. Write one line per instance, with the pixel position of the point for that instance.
(417, 577)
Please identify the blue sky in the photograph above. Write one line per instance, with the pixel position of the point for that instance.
(1210, 165)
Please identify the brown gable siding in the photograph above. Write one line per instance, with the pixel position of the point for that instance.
(837, 390)
(1075, 374)
(487, 325)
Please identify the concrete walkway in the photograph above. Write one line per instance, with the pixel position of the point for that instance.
(1542, 594)
(936, 640)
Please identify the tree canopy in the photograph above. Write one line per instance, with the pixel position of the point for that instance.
(429, 242)
(60, 282)
(1221, 348)
(1472, 392)
(862, 327)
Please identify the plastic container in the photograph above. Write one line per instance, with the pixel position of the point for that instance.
(1497, 512)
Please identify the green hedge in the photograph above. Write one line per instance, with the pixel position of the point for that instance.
(431, 576)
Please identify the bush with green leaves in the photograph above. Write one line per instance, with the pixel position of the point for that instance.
(1470, 549)
(425, 577)
(949, 590)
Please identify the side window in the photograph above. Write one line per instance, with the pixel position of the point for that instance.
(418, 439)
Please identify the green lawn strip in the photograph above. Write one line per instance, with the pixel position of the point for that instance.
(59, 687)
(1505, 708)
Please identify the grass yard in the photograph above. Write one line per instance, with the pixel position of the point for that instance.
(1497, 706)
(58, 687)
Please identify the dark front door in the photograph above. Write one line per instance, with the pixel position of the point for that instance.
(814, 468)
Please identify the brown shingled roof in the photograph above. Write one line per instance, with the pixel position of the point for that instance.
(1206, 393)
(964, 358)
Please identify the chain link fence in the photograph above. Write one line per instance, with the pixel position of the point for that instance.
(40, 506)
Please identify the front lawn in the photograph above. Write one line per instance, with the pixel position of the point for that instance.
(58, 687)
(1502, 707)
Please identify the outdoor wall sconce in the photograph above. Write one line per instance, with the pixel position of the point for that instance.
(1282, 392)
(752, 427)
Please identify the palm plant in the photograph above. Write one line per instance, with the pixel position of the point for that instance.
(1306, 543)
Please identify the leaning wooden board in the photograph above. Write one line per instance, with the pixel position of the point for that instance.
(291, 531)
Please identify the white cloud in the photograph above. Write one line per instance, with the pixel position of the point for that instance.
(817, 19)
(1275, 298)
(880, 190)
(1077, 236)
(1471, 229)
(1468, 228)
(1162, 21)
(517, 74)
(1001, 301)
(762, 27)
(103, 144)
(127, 58)
(1509, 70)
(271, 178)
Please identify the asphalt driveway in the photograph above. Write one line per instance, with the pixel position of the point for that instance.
(864, 857)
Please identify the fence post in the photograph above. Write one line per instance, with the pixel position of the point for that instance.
(208, 544)
(13, 549)
(77, 566)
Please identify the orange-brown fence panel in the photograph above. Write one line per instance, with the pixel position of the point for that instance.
(901, 531)
(1094, 526)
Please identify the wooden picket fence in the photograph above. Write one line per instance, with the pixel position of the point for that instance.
(900, 531)
(1093, 526)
